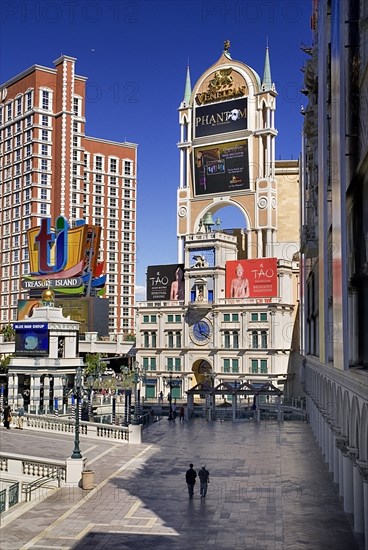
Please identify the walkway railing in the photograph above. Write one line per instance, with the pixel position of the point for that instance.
(87, 429)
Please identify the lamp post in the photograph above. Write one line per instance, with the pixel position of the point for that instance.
(77, 395)
(170, 384)
(1, 398)
(139, 374)
(90, 384)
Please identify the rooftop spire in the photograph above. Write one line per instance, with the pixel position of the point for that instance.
(188, 88)
(267, 81)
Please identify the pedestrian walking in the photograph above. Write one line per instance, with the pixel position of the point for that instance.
(204, 478)
(174, 413)
(181, 413)
(7, 417)
(20, 417)
(190, 478)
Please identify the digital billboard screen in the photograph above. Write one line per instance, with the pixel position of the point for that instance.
(218, 118)
(251, 278)
(165, 282)
(221, 168)
(31, 339)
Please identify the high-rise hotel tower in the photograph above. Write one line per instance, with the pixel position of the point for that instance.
(49, 167)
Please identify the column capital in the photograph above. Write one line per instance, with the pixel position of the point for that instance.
(362, 466)
(342, 443)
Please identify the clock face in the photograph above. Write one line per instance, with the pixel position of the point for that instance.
(201, 332)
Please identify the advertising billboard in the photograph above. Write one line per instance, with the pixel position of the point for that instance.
(165, 282)
(222, 168)
(31, 339)
(251, 278)
(218, 118)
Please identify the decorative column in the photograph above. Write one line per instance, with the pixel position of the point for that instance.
(363, 470)
(34, 403)
(348, 483)
(46, 394)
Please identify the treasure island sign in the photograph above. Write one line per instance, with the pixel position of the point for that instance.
(64, 259)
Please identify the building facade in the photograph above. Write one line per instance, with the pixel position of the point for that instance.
(49, 167)
(226, 310)
(334, 254)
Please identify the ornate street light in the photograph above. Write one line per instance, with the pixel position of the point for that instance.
(77, 392)
(139, 374)
(170, 384)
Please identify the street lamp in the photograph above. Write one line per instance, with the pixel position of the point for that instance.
(170, 384)
(77, 395)
(139, 374)
(90, 384)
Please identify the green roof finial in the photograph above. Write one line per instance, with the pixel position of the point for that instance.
(267, 81)
(188, 87)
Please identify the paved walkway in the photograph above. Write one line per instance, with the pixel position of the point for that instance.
(269, 490)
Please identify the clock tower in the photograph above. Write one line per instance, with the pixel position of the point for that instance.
(226, 309)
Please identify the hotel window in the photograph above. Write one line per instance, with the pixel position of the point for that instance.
(98, 200)
(17, 155)
(18, 126)
(127, 196)
(17, 183)
(27, 210)
(44, 150)
(16, 198)
(27, 194)
(98, 178)
(259, 339)
(45, 120)
(9, 112)
(174, 363)
(29, 121)
(75, 141)
(43, 209)
(126, 215)
(44, 135)
(149, 318)
(231, 318)
(98, 161)
(44, 178)
(126, 247)
(258, 366)
(174, 318)
(19, 106)
(29, 97)
(29, 135)
(45, 100)
(113, 203)
(126, 226)
(125, 290)
(113, 191)
(149, 363)
(77, 103)
(230, 365)
(8, 145)
(27, 165)
(126, 236)
(112, 224)
(18, 141)
(127, 168)
(43, 194)
(113, 180)
(258, 317)
(113, 165)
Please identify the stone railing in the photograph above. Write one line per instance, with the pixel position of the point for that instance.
(86, 429)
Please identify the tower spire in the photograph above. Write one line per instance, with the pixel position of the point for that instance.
(267, 81)
(188, 87)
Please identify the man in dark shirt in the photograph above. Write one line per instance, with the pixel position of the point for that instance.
(190, 478)
(204, 478)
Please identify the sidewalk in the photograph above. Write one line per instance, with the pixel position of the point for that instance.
(269, 490)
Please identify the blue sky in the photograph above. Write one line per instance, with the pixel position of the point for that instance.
(135, 55)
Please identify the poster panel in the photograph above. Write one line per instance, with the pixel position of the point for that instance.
(221, 168)
(31, 339)
(219, 118)
(165, 282)
(251, 278)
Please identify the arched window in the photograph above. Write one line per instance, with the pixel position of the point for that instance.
(146, 339)
(254, 339)
(154, 339)
(263, 339)
(178, 339)
(226, 339)
(235, 339)
(170, 336)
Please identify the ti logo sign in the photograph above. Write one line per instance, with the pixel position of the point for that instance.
(46, 239)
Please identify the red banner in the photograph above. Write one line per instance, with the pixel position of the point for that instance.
(251, 278)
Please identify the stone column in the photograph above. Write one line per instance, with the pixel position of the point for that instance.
(34, 403)
(341, 443)
(358, 499)
(46, 394)
(348, 484)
